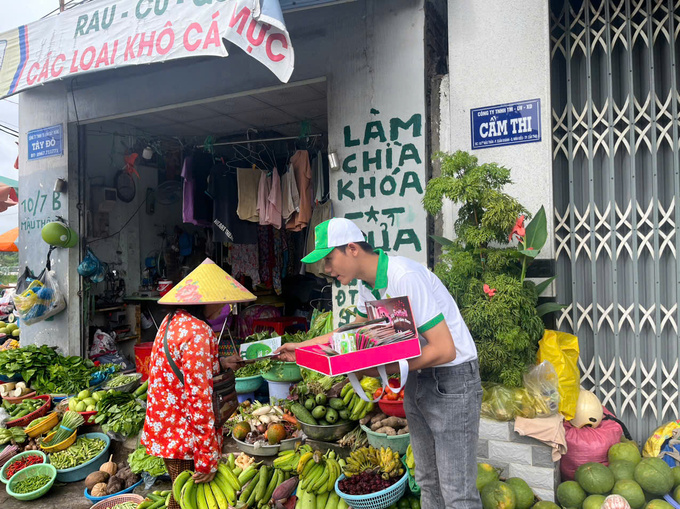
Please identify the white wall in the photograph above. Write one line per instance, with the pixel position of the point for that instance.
(499, 52)
(45, 107)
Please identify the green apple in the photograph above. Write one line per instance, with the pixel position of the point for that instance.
(98, 395)
(81, 406)
(83, 395)
(90, 408)
(72, 404)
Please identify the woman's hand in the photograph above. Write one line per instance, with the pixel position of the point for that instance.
(286, 352)
(199, 478)
(232, 361)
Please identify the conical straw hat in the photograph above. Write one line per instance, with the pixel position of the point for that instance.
(207, 284)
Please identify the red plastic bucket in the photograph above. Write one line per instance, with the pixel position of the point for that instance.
(143, 359)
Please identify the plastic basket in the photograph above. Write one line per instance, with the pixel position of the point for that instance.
(121, 492)
(42, 469)
(19, 398)
(398, 443)
(89, 417)
(65, 444)
(283, 372)
(128, 387)
(248, 384)
(26, 419)
(412, 484)
(395, 408)
(82, 471)
(3, 471)
(49, 423)
(378, 500)
(118, 499)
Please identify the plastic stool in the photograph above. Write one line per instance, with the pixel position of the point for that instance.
(280, 324)
(244, 397)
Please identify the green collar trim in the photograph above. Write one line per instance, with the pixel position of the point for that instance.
(381, 275)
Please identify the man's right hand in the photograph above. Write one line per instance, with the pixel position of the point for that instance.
(286, 352)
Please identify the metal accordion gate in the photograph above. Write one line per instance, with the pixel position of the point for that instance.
(615, 75)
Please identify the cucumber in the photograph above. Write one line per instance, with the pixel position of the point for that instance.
(302, 414)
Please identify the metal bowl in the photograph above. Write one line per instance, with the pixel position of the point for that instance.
(262, 449)
(328, 433)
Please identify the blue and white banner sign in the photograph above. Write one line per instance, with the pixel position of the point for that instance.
(506, 124)
(45, 142)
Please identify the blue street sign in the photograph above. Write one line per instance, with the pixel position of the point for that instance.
(45, 142)
(506, 124)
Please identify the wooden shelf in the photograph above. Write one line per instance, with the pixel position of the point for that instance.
(127, 338)
(106, 310)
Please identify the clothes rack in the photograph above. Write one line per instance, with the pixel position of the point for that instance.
(263, 140)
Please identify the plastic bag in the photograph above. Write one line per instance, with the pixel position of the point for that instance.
(24, 280)
(655, 442)
(542, 383)
(585, 445)
(562, 351)
(41, 299)
(504, 404)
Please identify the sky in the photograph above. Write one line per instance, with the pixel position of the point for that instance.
(15, 13)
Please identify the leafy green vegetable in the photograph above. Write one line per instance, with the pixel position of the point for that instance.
(27, 361)
(259, 336)
(140, 461)
(121, 413)
(254, 368)
(322, 323)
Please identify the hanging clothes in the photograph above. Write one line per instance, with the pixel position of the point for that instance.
(245, 261)
(263, 188)
(266, 255)
(303, 178)
(274, 216)
(290, 198)
(248, 185)
(227, 226)
(322, 212)
(196, 205)
(319, 185)
(278, 260)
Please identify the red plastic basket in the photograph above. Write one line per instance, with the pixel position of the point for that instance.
(89, 417)
(395, 408)
(20, 398)
(27, 419)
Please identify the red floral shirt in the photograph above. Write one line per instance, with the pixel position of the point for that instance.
(180, 423)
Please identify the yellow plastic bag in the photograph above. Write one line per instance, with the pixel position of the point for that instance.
(653, 445)
(561, 350)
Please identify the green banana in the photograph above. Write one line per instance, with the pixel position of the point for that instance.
(247, 475)
(179, 483)
(333, 501)
(248, 490)
(231, 478)
(202, 502)
(189, 495)
(321, 501)
(225, 487)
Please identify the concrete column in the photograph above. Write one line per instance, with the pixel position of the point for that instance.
(39, 204)
(499, 52)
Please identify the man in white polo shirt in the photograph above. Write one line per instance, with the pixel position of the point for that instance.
(443, 394)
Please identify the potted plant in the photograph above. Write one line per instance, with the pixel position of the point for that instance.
(485, 266)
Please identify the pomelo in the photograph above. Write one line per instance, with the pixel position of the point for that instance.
(498, 495)
(654, 476)
(570, 494)
(595, 478)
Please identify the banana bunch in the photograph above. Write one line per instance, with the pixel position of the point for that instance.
(384, 461)
(259, 491)
(410, 460)
(308, 500)
(318, 473)
(288, 460)
(220, 492)
(157, 499)
(357, 407)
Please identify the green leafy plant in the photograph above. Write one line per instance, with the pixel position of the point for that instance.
(482, 268)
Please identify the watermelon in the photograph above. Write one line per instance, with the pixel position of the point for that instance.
(570, 494)
(624, 451)
(631, 491)
(595, 478)
(654, 476)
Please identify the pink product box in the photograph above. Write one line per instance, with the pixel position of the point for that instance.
(312, 357)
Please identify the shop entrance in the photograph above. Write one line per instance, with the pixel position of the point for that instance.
(219, 178)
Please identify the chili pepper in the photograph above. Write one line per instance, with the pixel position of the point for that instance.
(22, 463)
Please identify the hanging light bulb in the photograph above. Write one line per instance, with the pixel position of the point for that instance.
(147, 153)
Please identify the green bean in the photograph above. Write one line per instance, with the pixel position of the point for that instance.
(31, 484)
(81, 452)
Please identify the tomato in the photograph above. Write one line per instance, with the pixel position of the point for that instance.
(401, 394)
(391, 396)
(377, 393)
(394, 382)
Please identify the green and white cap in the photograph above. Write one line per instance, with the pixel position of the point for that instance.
(331, 234)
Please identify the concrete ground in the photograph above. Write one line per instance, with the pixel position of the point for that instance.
(70, 495)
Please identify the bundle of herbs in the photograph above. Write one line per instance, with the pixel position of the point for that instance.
(120, 412)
